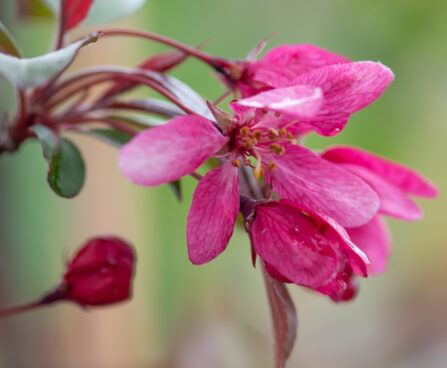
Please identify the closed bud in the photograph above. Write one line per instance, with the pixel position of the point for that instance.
(100, 273)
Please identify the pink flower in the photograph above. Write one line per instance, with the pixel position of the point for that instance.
(347, 87)
(306, 248)
(259, 130)
(394, 184)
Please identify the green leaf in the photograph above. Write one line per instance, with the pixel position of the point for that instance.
(176, 187)
(66, 172)
(7, 43)
(33, 72)
(111, 136)
(103, 11)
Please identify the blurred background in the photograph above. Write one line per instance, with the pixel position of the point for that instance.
(184, 316)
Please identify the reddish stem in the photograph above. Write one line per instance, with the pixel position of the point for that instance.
(164, 40)
(91, 119)
(21, 308)
(111, 75)
(62, 23)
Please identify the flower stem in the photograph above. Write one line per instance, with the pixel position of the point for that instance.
(161, 39)
(20, 308)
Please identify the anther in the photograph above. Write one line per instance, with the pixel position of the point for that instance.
(282, 131)
(290, 135)
(245, 131)
(247, 142)
(257, 134)
(275, 147)
(264, 111)
(272, 133)
(277, 114)
(236, 163)
(271, 166)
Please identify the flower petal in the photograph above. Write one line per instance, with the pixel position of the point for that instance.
(302, 58)
(281, 65)
(375, 241)
(297, 102)
(347, 88)
(293, 245)
(303, 177)
(393, 201)
(343, 287)
(168, 152)
(213, 212)
(403, 177)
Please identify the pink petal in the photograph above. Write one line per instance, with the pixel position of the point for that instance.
(347, 88)
(168, 152)
(292, 244)
(281, 65)
(303, 177)
(297, 102)
(375, 241)
(403, 177)
(302, 58)
(343, 287)
(393, 201)
(214, 208)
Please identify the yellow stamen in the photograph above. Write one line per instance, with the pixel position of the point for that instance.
(271, 166)
(282, 131)
(275, 147)
(290, 135)
(257, 134)
(245, 131)
(272, 133)
(247, 142)
(236, 163)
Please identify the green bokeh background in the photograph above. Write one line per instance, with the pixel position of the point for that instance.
(216, 315)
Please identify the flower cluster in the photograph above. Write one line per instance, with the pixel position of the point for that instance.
(314, 219)
(320, 223)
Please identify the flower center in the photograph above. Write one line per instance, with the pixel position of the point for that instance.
(245, 141)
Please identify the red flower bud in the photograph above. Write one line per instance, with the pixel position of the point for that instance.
(100, 273)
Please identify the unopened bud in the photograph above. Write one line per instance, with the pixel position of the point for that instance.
(100, 273)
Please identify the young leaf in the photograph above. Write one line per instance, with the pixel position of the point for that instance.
(66, 172)
(33, 72)
(110, 10)
(176, 187)
(111, 136)
(7, 43)
(148, 105)
(183, 92)
(284, 318)
(75, 12)
(103, 11)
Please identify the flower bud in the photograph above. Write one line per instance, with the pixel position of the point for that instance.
(100, 273)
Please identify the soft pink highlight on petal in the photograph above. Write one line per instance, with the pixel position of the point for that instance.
(347, 88)
(375, 241)
(403, 177)
(303, 177)
(214, 208)
(168, 152)
(302, 58)
(281, 65)
(297, 102)
(292, 244)
(393, 201)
